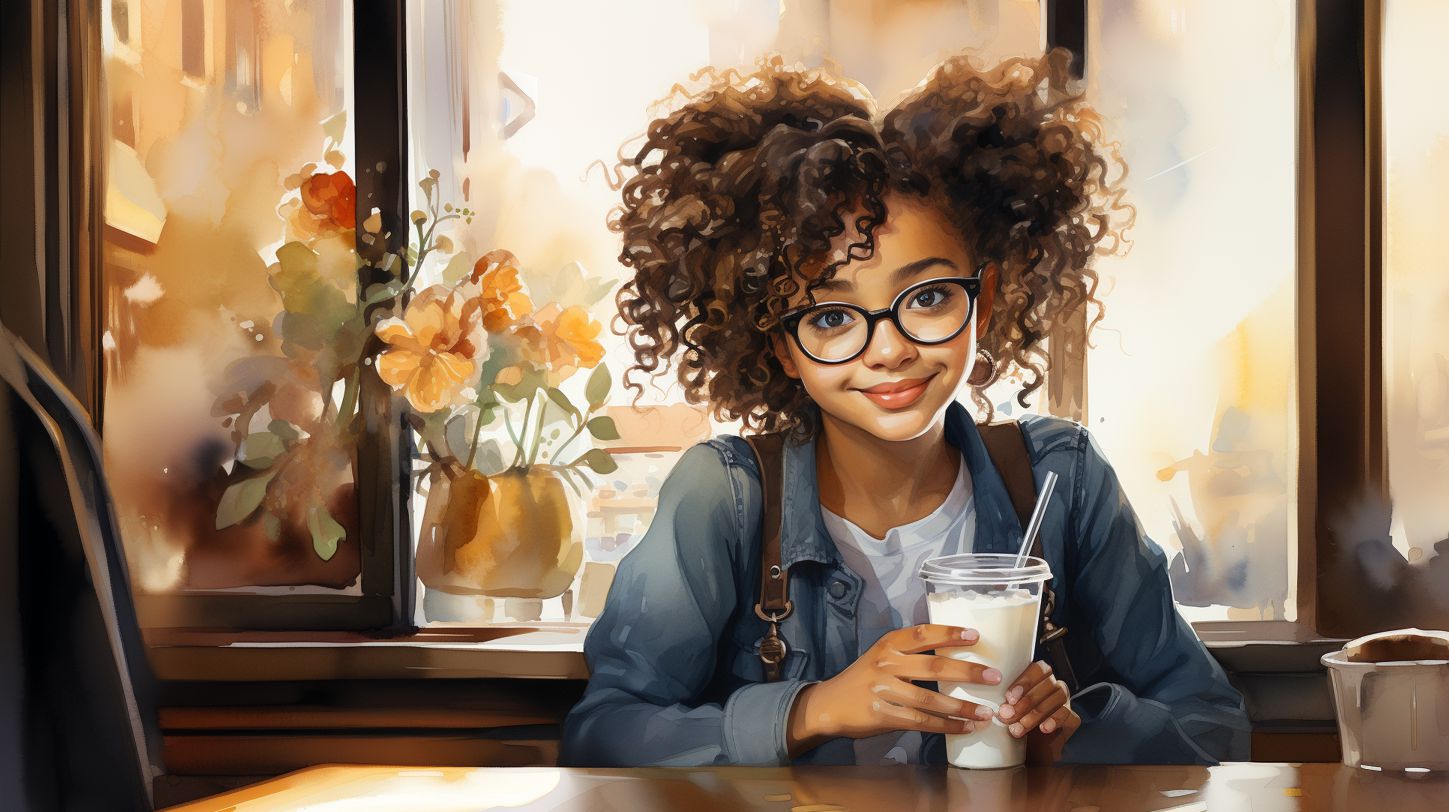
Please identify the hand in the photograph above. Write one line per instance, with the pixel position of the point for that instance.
(875, 694)
(1038, 704)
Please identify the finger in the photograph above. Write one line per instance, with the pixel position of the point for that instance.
(1034, 673)
(942, 669)
(903, 718)
(914, 696)
(1043, 708)
(928, 636)
(1061, 720)
(1040, 691)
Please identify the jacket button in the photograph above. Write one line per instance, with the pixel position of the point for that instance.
(837, 589)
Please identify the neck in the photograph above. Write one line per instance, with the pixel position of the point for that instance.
(893, 480)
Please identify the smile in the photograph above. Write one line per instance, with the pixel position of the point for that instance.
(897, 394)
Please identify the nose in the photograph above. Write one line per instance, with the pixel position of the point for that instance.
(888, 348)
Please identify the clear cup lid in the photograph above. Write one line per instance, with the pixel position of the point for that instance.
(974, 569)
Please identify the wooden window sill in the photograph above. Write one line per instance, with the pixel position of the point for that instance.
(555, 651)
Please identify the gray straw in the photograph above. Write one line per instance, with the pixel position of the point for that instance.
(1036, 513)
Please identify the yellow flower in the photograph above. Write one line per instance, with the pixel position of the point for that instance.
(500, 291)
(572, 334)
(433, 349)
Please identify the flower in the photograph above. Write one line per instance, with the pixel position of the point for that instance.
(570, 336)
(332, 197)
(433, 349)
(500, 291)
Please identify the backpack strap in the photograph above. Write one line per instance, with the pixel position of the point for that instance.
(774, 604)
(1006, 445)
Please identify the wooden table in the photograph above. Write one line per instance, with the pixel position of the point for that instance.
(1257, 787)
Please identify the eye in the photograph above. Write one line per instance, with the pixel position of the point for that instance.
(831, 319)
(927, 298)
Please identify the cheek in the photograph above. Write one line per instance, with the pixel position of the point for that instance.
(822, 381)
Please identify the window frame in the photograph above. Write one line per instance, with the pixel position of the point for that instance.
(1342, 442)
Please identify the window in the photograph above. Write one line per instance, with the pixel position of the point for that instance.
(1190, 379)
(229, 284)
(1207, 383)
(1416, 304)
(193, 37)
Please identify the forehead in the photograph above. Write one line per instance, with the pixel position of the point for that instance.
(913, 230)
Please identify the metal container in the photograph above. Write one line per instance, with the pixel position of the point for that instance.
(1392, 714)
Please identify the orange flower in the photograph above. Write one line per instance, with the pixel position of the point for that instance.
(500, 291)
(557, 343)
(332, 197)
(575, 330)
(432, 350)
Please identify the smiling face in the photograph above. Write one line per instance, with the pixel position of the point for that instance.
(896, 389)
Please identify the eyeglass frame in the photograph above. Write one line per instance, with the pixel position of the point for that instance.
(790, 320)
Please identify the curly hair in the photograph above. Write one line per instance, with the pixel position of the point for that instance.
(736, 199)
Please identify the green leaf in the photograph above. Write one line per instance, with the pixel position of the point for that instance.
(562, 401)
(603, 428)
(523, 390)
(457, 268)
(285, 430)
(598, 460)
(597, 389)
(315, 310)
(260, 449)
(326, 532)
(241, 500)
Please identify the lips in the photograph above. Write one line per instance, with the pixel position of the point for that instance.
(896, 386)
(897, 394)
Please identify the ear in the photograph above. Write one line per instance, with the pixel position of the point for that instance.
(781, 345)
(986, 300)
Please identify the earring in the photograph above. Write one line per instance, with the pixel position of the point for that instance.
(984, 372)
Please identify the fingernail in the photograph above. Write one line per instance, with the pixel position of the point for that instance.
(1013, 695)
(991, 675)
(968, 727)
(1017, 731)
(970, 634)
(1048, 726)
(984, 714)
(1006, 712)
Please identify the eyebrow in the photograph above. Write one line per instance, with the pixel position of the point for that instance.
(900, 274)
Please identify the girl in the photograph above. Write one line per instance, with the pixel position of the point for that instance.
(841, 279)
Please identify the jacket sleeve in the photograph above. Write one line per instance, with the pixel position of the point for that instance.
(1173, 703)
(651, 653)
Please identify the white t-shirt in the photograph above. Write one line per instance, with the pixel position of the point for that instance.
(892, 596)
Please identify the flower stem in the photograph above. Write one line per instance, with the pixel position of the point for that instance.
(349, 400)
(522, 439)
(477, 433)
(583, 421)
(537, 435)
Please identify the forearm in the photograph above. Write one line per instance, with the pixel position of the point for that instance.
(807, 727)
(1119, 727)
(612, 727)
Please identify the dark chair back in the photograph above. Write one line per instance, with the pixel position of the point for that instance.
(78, 726)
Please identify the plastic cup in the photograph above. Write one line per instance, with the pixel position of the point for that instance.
(989, 593)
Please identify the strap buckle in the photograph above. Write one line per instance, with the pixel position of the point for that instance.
(774, 617)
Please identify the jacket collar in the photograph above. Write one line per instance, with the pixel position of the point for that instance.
(803, 536)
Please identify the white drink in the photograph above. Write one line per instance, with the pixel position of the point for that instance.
(1006, 619)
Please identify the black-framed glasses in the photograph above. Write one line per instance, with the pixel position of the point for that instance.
(930, 312)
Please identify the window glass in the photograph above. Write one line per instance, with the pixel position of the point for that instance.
(229, 295)
(1416, 283)
(1191, 376)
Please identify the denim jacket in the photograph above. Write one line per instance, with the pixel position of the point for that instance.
(676, 678)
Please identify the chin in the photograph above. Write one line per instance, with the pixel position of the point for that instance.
(899, 425)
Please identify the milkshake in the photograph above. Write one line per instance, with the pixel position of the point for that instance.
(1002, 602)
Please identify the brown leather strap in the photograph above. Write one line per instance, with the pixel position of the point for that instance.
(1006, 445)
(774, 604)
